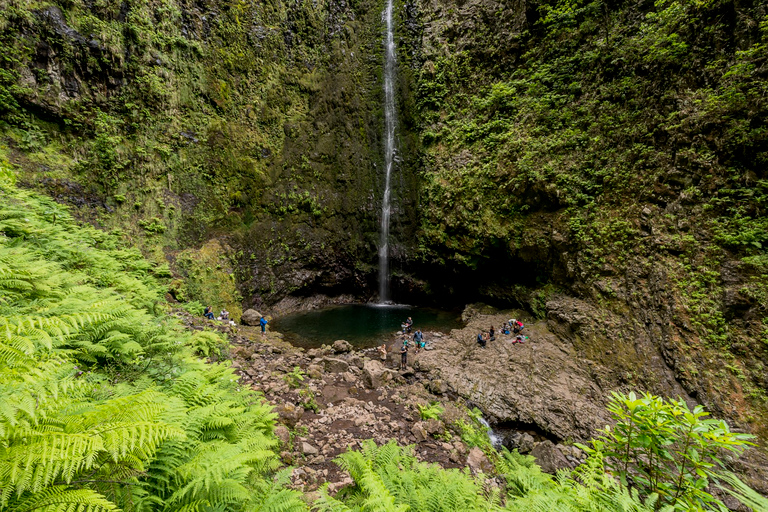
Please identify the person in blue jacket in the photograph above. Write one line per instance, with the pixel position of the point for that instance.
(263, 323)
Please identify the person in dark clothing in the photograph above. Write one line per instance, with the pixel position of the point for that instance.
(481, 340)
(404, 355)
(492, 334)
(409, 324)
(208, 313)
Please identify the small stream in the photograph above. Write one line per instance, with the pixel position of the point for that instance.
(515, 435)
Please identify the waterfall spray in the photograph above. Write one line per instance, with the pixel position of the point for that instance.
(390, 125)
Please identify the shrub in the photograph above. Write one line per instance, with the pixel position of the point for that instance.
(662, 447)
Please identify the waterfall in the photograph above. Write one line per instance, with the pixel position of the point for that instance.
(390, 125)
(495, 439)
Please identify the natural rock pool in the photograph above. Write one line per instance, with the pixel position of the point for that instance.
(362, 325)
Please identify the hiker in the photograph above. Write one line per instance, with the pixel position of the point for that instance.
(208, 313)
(418, 340)
(383, 351)
(492, 334)
(404, 355)
(519, 339)
(409, 324)
(263, 323)
(517, 326)
(403, 327)
(481, 340)
(224, 315)
(505, 328)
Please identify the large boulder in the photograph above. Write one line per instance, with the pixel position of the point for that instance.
(525, 443)
(419, 431)
(356, 361)
(308, 449)
(250, 317)
(333, 365)
(373, 374)
(342, 346)
(478, 462)
(549, 457)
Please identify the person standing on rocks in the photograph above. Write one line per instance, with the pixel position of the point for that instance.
(418, 339)
(263, 323)
(404, 355)
(383, 352)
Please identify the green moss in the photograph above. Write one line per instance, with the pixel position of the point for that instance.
(208, 278)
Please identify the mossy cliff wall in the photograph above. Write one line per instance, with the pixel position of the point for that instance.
(603, 164)
(177, 121)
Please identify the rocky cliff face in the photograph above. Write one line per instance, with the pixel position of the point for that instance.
(601, 164)
(178, 121)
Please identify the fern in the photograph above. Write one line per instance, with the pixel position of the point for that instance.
(61, 499)
(743, 493)
(82, 426)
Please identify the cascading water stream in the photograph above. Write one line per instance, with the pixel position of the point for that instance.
(390, 126)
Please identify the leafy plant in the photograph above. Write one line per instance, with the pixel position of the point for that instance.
(103, 404)
(295, 377)
(664, 448)
(432, 411)
(308, 400)
(389, 478)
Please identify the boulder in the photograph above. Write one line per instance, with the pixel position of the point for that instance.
(419, 431)
(333, 365)
(308, 449)
(372, 374)
(525, 443)
(356, 361)
(342, 346)
(434, 426)
(283, 435)
(315, 371)
(250, 317)
(436, 386)
(289, 413)
(549, 457)
(478, 462)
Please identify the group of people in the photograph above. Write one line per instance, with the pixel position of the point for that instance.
(224, 315)
(513, 326)
(418, 341)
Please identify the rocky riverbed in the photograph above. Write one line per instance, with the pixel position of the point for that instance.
(542, 395)
(339, 397)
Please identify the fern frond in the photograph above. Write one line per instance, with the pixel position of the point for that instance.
(62, 499)
(742, 492)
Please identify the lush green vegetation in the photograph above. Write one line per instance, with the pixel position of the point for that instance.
(663, 454)
(106, 405)
(174, 122)
(613, 151)
(664, 448)
(104, 400)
